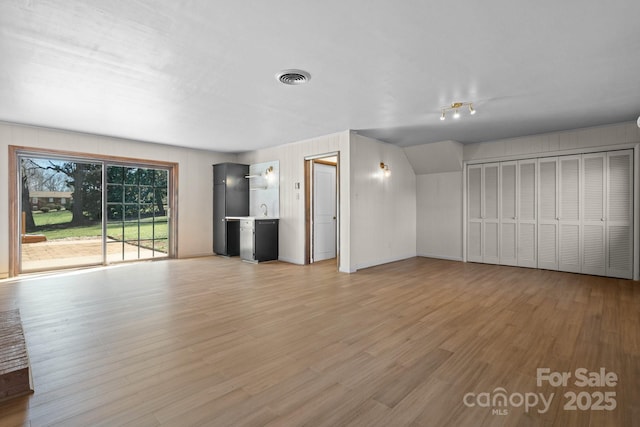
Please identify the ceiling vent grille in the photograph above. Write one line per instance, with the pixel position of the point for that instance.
(293, 77)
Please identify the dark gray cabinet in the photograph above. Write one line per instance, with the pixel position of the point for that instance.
(230, 198)
(266, 240)
(259, 239)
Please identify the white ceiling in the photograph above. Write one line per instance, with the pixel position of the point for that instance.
(201, 73)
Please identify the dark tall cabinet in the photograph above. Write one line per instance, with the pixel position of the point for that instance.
(230, 198)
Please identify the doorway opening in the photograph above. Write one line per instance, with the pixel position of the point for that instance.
(75, 211)
(322, 208)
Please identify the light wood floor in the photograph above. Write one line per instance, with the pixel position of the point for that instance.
(215, 341)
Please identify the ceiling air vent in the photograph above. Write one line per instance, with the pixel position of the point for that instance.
(293, 77)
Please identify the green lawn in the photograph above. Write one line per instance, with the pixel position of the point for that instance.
(51, 218)
(51, 224)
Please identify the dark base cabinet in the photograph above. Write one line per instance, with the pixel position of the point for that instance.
(233, 238)
(230, 198)
(258, 239)
(266, 240)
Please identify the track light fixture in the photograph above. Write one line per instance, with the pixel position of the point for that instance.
(455, 106)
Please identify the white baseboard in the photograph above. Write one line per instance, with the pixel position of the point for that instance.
(290, 260)
(383, 261)
(450, 258)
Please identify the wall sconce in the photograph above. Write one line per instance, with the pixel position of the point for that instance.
(385, 169)
(269, 174)
(455, 106)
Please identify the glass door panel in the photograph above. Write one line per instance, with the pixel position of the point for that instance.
(61, 213)
(137, 226)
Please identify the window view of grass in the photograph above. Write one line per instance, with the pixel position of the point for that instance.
(55, 225)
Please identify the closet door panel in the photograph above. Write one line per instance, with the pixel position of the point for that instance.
(593, 209)
(548, 246)
(619, 208)
(569, 217)
(593, 250)
(474, 213)
(508, 245)
(474, 242)
(619, 262)
(526, 214)
(508, 217)
(569, 248)
(490, 218)
(547, 208)
(490, 255)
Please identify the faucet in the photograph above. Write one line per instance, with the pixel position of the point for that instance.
(265, 208)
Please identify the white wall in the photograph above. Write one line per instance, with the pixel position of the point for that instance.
(439, 198)
(605, 137)
(383, 209)
(194, 181)
(377, 217)
(439, 227)
(292, 214)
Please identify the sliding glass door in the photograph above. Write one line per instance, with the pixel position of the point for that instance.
(137, 223)
(82, 212)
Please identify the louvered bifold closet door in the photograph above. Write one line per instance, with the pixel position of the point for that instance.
(526, 214)
(569, 218)
(619, 214)
(508, 217)
(474, 213)
(548, 213)
(490, 220)
(593, 213)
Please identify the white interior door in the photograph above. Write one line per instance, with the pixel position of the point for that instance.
(548, 213)
(324, 211)
(490, 217)
(474, 213)
(619, 214)
(526, 214)
(508, 217)
(593, 213)
(569, 222)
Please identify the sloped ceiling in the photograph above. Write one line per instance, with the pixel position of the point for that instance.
(201, 73)
(437, 157)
